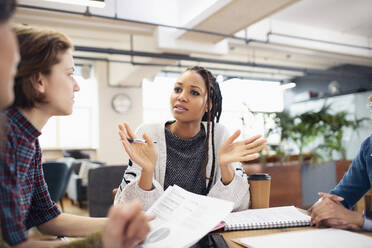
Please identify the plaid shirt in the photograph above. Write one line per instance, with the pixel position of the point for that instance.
(24, 198)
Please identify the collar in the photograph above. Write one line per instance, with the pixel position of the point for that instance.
(26, 127)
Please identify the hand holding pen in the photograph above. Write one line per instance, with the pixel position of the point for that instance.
(142, 152)
(138, 141)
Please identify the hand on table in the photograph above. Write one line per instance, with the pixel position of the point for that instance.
(330, 212)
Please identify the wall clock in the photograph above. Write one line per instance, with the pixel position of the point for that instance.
(121, 103)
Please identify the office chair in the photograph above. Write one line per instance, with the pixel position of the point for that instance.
(57, 176)
(101, 182)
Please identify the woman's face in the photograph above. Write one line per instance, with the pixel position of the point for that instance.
(9, 58)
(60, 86)
(189, 97)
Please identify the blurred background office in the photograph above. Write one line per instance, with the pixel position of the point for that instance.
(297, 71)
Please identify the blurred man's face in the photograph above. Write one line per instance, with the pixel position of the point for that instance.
(9, 58)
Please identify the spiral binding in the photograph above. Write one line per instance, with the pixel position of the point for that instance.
(266, 225)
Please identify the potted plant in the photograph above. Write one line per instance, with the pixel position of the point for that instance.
(318, 137)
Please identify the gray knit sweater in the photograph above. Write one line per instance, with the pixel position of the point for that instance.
(185, 161)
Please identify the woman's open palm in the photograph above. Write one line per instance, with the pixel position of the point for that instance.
(240, 151)
(145, 155)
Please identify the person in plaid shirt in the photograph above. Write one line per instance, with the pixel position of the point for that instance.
(44, 87)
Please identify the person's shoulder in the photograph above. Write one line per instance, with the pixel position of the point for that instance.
(11, 127)
(220, 129)
(367, 143)
(219, 126)
(366, 147)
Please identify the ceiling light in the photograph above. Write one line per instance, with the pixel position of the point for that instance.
(288, 86)
(91, 3)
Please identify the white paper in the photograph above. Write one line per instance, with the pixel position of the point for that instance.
(183, 218)
(320, 238)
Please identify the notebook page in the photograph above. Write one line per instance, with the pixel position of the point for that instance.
(325, 238)
(266, 218)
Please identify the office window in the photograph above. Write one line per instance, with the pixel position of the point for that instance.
(79, 130)
(244, 105)
(240, 99)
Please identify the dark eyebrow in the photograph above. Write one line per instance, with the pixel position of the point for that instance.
(192, 86)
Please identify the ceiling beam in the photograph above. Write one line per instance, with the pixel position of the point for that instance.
(235, 16)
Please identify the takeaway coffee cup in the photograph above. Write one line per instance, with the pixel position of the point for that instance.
(260, 190)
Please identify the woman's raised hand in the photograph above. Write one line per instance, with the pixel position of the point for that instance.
(240, 151)
(143, 154)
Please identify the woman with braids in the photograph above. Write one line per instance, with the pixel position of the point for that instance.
(193, 151)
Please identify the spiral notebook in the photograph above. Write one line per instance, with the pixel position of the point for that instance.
(277, 217)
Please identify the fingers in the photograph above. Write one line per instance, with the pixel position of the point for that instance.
(252, 139)
(328, 209)
(252, 154)
(256, 143)
(127, 145)
(150, 217)
(129, 131)
(138, 229)
(114, 192)
(318, 209)
(233, 137)
(255, 149)
(126, 226)
(340, 224)
(319, 219)
(116, 226)
(335, 198)
(124, 138)
(249, 157)
(312, 207)
(122, 132)
(332, 222)
(148, 139)
(352, 227)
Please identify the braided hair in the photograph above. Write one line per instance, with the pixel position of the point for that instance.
(211, 116)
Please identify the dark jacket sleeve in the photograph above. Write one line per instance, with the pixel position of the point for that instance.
(355, 182)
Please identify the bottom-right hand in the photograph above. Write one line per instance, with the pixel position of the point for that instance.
(340, 224)
(332, 213)
(127, 226)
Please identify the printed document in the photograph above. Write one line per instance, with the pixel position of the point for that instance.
(183, 218)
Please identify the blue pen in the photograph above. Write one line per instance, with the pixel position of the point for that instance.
(138, 141)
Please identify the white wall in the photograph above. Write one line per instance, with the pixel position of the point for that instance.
(110, 148)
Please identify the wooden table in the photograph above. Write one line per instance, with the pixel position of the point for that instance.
(228, 236)
(250, 233)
